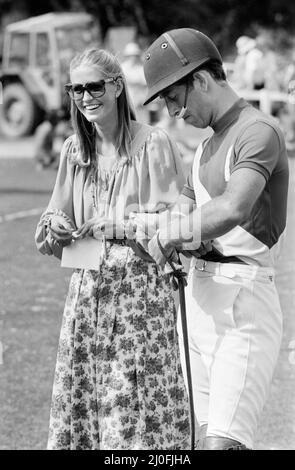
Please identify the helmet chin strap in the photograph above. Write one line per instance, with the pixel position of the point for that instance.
(182, 112)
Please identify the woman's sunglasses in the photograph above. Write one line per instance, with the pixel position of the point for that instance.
(95, 89)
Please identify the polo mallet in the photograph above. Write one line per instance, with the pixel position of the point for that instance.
(179, 282)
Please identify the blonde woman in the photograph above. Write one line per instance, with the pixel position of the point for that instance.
(118, 381)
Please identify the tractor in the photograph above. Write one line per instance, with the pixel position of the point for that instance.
(35, 63)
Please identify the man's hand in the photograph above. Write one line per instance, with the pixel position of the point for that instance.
(142, 233)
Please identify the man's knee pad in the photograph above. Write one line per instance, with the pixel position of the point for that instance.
(223, 443)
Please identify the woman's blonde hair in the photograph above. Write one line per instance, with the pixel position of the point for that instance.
(85, 130)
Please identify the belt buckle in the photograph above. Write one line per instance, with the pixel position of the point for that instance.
(203, 267)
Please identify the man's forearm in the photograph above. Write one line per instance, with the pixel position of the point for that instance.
(212, 220)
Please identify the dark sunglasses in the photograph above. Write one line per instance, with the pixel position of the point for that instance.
(95, 89)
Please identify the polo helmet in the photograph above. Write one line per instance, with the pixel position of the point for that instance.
(174, 55)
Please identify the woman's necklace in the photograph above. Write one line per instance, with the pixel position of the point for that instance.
(101, 179)
(107, 161)
(105, 172)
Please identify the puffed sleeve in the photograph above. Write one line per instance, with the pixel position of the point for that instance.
(161, 180)
(61, 203)
(161, 176)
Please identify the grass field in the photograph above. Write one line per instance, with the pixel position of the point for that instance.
(33, 290)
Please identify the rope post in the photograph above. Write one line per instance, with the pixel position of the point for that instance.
(187, 358)
(179, 282)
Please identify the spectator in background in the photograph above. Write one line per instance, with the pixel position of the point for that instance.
(270, 63)
(287, 115)
(249, 65)
(133, 70)
(289, 75)
(43, 141)
(49, 138)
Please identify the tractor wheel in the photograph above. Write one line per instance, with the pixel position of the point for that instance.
(18, 111)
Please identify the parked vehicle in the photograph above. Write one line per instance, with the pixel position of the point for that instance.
(36, 56)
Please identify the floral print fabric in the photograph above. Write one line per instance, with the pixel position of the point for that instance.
(118, 382)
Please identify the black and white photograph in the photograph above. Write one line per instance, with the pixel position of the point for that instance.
(147, 223)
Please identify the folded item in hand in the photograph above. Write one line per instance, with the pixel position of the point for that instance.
(82, 254)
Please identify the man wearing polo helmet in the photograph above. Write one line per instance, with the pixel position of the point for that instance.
(235, 196)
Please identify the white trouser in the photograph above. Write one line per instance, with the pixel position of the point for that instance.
(234, 327)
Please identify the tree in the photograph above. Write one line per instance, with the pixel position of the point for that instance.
(223, 20)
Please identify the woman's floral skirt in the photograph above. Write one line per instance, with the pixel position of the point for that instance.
(118, 381)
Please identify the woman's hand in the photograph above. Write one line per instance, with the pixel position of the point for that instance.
(99, 227)
(61, 230)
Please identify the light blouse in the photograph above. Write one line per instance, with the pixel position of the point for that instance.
(149, 181)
